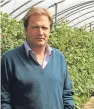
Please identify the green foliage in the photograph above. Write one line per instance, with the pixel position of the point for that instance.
(76, 44)
(12, 33)
(78, 47)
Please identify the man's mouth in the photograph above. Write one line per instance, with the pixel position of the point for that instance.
(40, 38)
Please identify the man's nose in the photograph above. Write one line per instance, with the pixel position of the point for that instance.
(40, 30)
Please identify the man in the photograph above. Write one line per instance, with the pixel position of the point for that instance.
(35, 75)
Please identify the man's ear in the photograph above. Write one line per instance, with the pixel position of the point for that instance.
(25, 32)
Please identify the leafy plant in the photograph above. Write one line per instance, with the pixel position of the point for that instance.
(78, 46)
(12, 33)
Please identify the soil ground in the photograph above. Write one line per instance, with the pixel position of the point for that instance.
(89, 104)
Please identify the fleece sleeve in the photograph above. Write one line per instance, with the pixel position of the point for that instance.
(68, 90)
(5, 84)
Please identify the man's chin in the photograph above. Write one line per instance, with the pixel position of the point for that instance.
(41, 44)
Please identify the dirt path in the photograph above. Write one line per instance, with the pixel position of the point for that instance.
(89, 104)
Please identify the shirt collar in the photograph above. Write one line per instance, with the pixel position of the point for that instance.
(28, 49)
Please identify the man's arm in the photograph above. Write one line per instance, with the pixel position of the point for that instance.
(68, 91)
(5, 85)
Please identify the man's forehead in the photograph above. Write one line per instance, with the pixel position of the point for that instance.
(39, 21)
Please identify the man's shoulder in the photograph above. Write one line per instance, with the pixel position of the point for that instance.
(58, 52)
(14, 52)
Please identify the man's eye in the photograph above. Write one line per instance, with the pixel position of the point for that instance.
(35, 27)
(44, 28)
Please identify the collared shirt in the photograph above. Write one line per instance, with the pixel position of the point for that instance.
(47, 53)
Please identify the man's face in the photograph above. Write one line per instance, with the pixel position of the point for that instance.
(38, 30)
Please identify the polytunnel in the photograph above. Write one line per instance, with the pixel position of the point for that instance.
(78, 13)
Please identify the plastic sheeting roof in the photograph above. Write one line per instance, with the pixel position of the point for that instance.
(77, 12)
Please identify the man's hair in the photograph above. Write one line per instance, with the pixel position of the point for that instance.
(38, 11)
